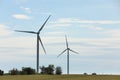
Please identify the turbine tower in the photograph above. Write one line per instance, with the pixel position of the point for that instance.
(38, 39)
(68, 50)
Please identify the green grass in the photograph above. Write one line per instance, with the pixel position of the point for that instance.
(62, 77)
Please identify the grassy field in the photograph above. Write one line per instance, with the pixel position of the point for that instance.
(62, 77)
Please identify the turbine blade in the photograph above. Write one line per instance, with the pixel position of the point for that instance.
(66, 41)
(26, 31)
(74, 51)
(61, 53)
(44, 24)
(42, 44)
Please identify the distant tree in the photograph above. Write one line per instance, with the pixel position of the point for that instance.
(47, 70)
(50, 69)
(1, 72)
(94, 74)
(58, 70)
(43, 71)
(27, 71)
(85, 74)
(14, 72)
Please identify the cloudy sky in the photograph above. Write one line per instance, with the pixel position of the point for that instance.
(92, 28)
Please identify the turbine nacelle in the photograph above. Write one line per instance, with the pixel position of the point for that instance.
(68, 48)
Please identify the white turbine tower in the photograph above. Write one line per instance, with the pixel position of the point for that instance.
(68, 50)
(38, 39)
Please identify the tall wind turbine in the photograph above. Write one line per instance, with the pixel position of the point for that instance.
(68, 50)
(38, 39)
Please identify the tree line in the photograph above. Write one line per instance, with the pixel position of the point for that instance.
(49, 70)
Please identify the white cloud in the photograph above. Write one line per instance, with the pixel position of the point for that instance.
(4, 31)
(92, 27)
(58, 25)
(55, 33)
(86, 46)
(23, 42)
(98, 22)
(27, 10)
(63, 20)
(90, 24)
(89, 41)
(115, 33)
(75, 20)
(66, 20)
(21, 16)
(55, 44)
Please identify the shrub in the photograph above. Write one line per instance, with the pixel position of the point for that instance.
(85, 74)
(94, 74)
(1, 72)
(47, 70)
(43, 70)
(27, 71)
(14, 72)
(50, 69)
(58, 70)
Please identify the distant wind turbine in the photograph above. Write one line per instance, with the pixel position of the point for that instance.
(68, 50)
(38, 39)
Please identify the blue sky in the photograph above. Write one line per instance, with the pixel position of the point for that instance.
(92, 27)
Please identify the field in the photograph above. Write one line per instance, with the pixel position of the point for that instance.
(62, 77)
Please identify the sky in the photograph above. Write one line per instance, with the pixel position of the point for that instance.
(92, 28)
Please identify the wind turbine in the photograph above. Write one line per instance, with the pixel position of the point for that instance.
(38, 39)
(68, 50)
